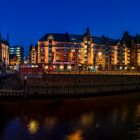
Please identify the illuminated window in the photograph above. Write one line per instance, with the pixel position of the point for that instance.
(41, 50)
(66, 50)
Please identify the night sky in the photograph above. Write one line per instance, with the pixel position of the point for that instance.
(28, 20)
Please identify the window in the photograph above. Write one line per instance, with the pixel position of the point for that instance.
(57, 55)
(50, 40)
(58, 50)
(42, 60)
(85, 51)
(42, 54)
(41, 50)
(66, 50)
(85, 47)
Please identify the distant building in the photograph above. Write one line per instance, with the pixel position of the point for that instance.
(13, 60)
(33, 55)
(4, 51)
(19, 52)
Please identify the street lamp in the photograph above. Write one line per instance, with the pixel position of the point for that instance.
(76, 52)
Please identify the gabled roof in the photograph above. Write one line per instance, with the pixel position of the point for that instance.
(57, 37)
(65, 37)
(31, 46)
(103, 40)
(76, 38)
(97, 40)
(4, 42)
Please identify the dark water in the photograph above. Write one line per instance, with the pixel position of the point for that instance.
(103, 118)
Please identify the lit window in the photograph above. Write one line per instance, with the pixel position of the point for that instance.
(85, 47)
(85, 51)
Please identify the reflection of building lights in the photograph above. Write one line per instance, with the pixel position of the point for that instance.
(77, 135)
(86, 119)
(50, 122)
(124, 114)
(33, 126)
(138, 111)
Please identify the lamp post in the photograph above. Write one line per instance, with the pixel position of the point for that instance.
(25, 87)
(76, 53)
(94, 60)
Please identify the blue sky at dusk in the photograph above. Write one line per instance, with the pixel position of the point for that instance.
(28, 20)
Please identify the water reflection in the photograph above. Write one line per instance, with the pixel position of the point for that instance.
(33, 126)
(107, 118)
(124, 114)
(50, 122)
(138, 111)
(86, 119)
(77, 135)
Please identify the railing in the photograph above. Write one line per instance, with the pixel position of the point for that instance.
(74, 86)
(11, 94)
(82, 91)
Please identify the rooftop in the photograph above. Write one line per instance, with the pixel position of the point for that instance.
(65, 37)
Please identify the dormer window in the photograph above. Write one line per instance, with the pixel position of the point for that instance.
(50, 40)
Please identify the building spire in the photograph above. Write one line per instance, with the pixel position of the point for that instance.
(0, 35)
(88, 31)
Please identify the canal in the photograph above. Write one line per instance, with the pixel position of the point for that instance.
(98, 118)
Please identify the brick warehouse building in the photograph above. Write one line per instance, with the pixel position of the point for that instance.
(76, 52)
(63, 51)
